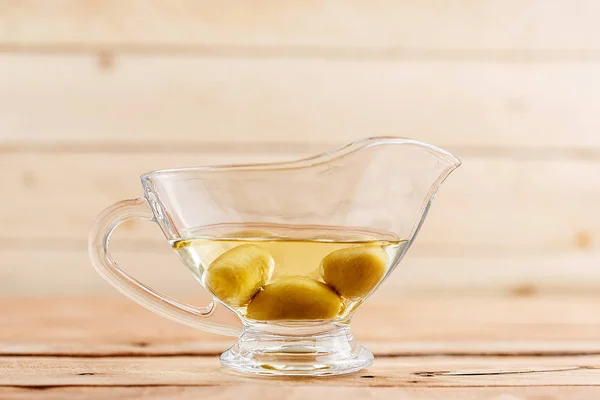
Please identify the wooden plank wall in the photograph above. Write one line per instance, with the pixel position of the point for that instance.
(94, 93)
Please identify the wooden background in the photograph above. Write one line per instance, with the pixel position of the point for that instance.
(94, 93)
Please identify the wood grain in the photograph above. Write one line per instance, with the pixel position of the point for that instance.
(206, 371)
(183, 103)
(267, 391)
(517, 348)
(401, 326)
(91, 96)
(450, 25)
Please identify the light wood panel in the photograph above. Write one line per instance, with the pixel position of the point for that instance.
(273, 392)
(447, 25)
(86, 326)
(487, 206)
(91, 96)
(183, 103)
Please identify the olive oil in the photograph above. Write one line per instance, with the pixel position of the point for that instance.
(287, 273)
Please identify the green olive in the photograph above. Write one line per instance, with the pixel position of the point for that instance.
(295, 298)
(238, 274)
(355, 271)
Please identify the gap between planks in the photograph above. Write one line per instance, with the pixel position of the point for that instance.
(397, 355)
(289, 150)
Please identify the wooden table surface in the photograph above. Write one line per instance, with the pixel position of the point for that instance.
(501, 348)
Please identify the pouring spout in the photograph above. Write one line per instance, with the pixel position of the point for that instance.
(375, 141)
(394, 180)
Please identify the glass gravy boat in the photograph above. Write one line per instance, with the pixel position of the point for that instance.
(292, 248)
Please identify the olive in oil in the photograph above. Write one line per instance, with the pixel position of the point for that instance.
(275, 273)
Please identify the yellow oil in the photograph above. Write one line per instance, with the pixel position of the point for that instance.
(274, 272)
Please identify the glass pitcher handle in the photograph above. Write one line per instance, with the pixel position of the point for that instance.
(99, 239)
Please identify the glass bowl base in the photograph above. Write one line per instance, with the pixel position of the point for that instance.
(331, 351)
